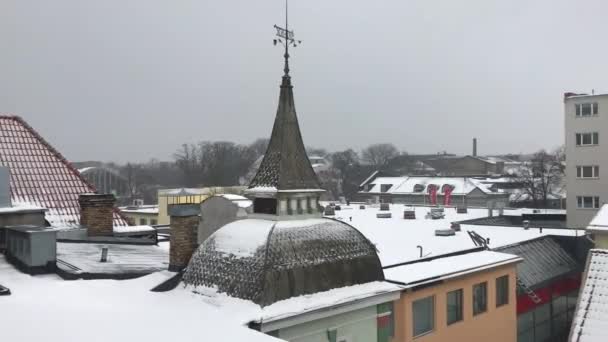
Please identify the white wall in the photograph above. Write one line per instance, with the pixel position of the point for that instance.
(358, 325)
(585, 155)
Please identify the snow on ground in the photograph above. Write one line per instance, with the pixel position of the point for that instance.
(397, 239)
(47, 308)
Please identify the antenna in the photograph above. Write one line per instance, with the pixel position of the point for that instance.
(286, 38)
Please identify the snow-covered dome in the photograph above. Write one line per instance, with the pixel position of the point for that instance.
(266, 261)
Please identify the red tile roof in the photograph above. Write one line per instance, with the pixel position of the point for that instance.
(40, 175)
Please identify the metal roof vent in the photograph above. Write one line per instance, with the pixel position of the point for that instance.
(444, 232)
(384, 215)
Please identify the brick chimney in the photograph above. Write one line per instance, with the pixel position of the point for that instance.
(184, 227)
(96, 213)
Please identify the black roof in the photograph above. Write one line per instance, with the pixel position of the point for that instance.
(545, 259)
(295, 258)
(285, 165)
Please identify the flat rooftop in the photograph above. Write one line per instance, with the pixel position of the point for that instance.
(83, 260)
(398, 239)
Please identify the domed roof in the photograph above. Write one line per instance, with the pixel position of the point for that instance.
(266, 261)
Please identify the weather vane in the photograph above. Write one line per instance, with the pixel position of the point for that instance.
(286, 38)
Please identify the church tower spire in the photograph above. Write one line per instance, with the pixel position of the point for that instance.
(285, 183)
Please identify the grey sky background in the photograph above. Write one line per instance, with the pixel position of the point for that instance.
(134, 79)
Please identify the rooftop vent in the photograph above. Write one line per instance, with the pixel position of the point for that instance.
(409, 214)
(384, 215)
(444, 232)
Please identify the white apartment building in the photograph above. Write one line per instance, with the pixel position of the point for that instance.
(586, 118)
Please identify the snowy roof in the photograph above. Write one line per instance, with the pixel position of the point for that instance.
(591, 317)
(407, 185)
(77, 309)
(600, 220)
(296, 305)
(266, 261)
(444, 268)
(40, 175)
(142, 209)
(396, 239)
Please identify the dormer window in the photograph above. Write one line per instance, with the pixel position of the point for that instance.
(385, 187)
(447, 187)
(418, 188)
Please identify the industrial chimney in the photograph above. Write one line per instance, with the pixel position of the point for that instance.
(474, 147)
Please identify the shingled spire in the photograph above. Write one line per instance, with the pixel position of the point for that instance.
(285, 167)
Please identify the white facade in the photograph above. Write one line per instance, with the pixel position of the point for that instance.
(586, 129)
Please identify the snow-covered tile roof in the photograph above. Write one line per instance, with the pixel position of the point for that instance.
(443, 268)
(600, 220)
(40, 175)
(397, 239)
(408, 185)
(590, 322)
(110, 310)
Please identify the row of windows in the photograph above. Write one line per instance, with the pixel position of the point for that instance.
(144, 222)
(588, 171)
(548, 322)
(587, 202)
(423, 310)
(586, 139)
(586, 109)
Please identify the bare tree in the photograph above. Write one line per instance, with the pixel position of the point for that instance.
(541, 176)
(378, 155)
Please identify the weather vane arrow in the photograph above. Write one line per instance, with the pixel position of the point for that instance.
(286, 38)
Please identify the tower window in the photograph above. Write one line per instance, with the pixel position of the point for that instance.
(265, 206)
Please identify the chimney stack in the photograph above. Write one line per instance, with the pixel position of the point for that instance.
(184, 227)
(474, 147)
(97, 213)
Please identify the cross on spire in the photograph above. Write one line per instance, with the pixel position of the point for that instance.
(286, 38)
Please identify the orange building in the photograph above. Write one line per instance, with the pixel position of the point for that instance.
(465, 297)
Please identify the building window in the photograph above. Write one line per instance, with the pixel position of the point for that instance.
(423, 314)
(586, 109)
(454, 306)
(591, 171)
(143, 222)
(265, 206)
(587, 202)
(480, 298)
(502, 290)
(385, 187)
(587, 139)
(153, 222)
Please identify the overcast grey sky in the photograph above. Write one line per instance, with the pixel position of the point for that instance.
(133, 79)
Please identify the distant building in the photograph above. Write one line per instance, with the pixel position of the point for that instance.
(189, 195)
(108, 181)
(472, 165)
(431, 190)
(586, 122)
(141, 215)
